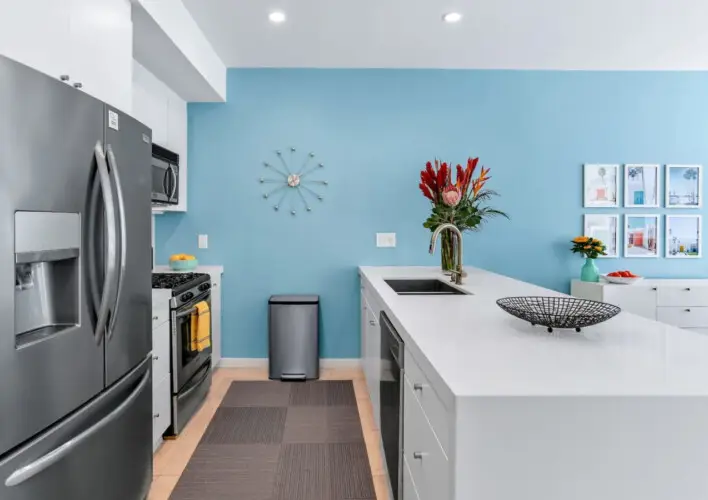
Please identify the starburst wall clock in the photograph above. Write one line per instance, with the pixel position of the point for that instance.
(294, 185)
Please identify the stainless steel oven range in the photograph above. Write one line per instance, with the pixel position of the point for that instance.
(191, 370)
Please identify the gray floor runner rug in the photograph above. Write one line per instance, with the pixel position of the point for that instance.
(281, 441)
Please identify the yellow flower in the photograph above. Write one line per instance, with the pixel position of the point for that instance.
(599, 249)
(581, 239)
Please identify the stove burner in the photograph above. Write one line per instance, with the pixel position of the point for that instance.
(178, 282)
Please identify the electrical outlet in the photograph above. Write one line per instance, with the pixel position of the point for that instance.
(203, 241)
(385, 240)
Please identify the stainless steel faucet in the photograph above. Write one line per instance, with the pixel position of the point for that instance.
(457, 272)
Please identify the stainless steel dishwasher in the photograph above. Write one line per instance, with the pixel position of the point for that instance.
(391, 403)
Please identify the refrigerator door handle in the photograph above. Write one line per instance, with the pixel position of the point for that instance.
(109, 208)
(29, 471)
(123, 243)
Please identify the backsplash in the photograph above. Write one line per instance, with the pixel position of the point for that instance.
(374, 130)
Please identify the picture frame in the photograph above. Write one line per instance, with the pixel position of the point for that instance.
(684, 186)
(601, 185)
(683, 236)
(642, 183)
(641, 235)
(604, 227)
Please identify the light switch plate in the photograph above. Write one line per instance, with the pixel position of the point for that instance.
(203, 241)
(385, 240)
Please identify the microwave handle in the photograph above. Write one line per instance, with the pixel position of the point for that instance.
(165, 188)
(172, 172)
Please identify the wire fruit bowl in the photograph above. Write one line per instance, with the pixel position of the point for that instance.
(558, 312)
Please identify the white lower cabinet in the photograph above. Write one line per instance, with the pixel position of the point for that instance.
(429, 467)
(677, 302)
(161, 380)
(215, 318)
(409, 490)
(371, 353)
(161, 416)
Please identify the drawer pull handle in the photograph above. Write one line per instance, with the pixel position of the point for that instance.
(688, 289)
(372, 322)
(155, 358)
(155, 318)
(418, 455)
(156, 415)
(653, 288)
(418, 387)
(687, 310)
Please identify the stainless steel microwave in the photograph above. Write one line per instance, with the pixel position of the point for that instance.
(165, 176)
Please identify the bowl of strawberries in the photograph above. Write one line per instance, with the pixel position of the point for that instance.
(622, 277)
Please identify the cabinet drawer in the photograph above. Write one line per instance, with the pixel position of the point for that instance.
(430, 469)
(684, 317)
(161, 414)
(160, 353)
(409, 490)
(432, 406)
(639, 299)
(682, 296)
(160, 314)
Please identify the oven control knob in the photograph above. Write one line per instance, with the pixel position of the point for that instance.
(205, 286)
(187, 296)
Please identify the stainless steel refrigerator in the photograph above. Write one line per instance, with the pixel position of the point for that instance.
(75, 294)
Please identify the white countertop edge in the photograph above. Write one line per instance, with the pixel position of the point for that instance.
(199, 269)
(455, 380)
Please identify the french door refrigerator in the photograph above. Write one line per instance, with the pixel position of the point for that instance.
(75, 294)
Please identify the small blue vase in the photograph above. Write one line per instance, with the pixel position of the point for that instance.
(590, 272)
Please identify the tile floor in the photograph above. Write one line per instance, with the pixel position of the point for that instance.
(171, 459)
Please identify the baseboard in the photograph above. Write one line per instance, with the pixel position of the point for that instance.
(263, 363)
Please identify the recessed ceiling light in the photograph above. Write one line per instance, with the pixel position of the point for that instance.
(277, 17)
(452, 17)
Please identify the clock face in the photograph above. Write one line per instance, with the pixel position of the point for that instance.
(296, 187)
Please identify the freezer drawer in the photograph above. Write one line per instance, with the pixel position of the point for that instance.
(103, 451)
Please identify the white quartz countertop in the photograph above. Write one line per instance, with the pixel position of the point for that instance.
(479, 350)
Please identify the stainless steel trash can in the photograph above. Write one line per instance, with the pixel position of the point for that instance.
(293, 337)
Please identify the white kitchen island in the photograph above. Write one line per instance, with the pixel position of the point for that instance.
(495, 409)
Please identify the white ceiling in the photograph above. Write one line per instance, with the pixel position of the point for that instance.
(516, 34)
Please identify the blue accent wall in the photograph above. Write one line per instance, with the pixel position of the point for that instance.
(374, 130)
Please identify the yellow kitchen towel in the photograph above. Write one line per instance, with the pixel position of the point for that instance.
(201, 327)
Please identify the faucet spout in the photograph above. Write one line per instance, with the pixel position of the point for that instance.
(457, 272)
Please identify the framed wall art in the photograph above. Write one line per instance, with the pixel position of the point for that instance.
(600, 185)
(684, 186)
(604, 228)
(641, 185)
(683, 237)
(641, 235)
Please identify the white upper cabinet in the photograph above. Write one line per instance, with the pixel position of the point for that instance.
(36, 33)
(158, 107)
(88, 41)
(102, 50)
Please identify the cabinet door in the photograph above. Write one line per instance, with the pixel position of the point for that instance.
(160, 353)
(36, 33)
(363, 330)
(101, 48)
(161, 417)
(150, 103)
(637, 299)
(373, 356)
(215, 319)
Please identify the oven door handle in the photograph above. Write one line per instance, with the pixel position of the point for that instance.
(207, 370)
(187, 313)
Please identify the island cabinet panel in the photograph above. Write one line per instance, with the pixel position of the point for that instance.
(371, 352)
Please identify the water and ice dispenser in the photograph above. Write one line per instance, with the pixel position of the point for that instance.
(47, 274)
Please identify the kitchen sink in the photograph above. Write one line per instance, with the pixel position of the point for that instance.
(423, 287)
